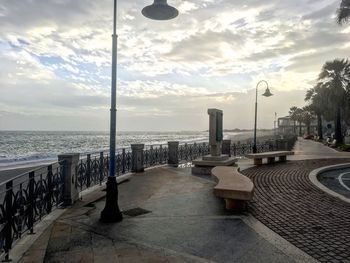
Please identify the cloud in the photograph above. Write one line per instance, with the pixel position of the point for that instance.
(55, 60)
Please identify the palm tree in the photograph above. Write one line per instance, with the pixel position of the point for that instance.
(296, 114)
(335, 78)
(307, 117)
(317, 97)
(343, 13)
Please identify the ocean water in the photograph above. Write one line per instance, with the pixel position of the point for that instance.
(26, 147)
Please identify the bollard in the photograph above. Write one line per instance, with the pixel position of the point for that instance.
(137, 158)
(70, 162)
(226, 147)
(173, 153)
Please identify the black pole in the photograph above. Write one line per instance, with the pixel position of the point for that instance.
(267, 94)
(111, 213)
(256, 113)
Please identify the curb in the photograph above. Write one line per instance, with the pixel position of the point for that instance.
(313, 178)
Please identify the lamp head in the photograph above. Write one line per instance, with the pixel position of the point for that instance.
(267, 93)
(160, 10)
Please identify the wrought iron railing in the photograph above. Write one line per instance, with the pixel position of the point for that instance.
(241, 149)
(155, 155)
(93, 170)
(25, 200)
(189, 152)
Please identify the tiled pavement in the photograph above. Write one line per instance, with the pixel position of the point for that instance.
(288, 203)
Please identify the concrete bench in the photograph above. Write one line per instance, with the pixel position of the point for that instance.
(233, 186)
(282, 155)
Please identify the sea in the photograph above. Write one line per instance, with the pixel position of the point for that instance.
(19, 148)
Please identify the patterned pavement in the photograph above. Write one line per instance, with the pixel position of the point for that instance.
(288, 203)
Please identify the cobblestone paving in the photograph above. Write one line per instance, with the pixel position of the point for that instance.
(289, 204)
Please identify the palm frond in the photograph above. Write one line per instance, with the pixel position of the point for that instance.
(343, 13)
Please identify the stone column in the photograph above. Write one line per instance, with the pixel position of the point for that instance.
(215, 131)
(173, 153)
(226, 147)
(137, 158)
(70, 162)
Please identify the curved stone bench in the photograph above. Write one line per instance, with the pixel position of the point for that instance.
(233, 186)
(270, 156)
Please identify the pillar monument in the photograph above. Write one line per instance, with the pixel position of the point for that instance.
(203, 165)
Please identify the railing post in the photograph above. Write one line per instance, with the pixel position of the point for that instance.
(173, 153)
(226, 147)
(160, 151)
(70, 164)
(123, 160)
(31, 203)
(50, 192)
(151, 155)
(137, 158)
(234, 150)
(286, 144)
(101, 165)
(9, 219)
(88, 171)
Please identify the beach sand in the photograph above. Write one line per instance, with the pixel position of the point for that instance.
(8, 173)
(247, 137)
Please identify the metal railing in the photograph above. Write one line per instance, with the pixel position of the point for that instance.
(155, 155)
(25, 200)
(93, 170)
(189, 152)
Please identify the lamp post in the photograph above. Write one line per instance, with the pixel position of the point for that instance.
(275, 126)
(266, 94)
(159, 10)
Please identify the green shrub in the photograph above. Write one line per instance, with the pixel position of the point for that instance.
(344, 147)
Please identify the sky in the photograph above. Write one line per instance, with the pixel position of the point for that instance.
(55, 62)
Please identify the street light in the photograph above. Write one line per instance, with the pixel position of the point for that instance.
(159, 10)
(267, 93)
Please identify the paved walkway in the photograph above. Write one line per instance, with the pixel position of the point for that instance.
(181, 220)
(309, 149)
(185, 223)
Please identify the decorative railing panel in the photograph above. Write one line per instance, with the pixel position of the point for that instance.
(189, 152)
(25, 200)
(155, 155)
(94, 170)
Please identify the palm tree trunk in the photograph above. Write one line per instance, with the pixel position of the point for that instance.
(319, 126)
(338, 132)
(299, 128)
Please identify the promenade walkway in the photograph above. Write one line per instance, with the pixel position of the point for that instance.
(172, 216)
(309, 149)
(184, 222)
(288, 203)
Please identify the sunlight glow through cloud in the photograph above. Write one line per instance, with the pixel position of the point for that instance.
(56, 60)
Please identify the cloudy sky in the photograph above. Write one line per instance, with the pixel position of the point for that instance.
(55, 59)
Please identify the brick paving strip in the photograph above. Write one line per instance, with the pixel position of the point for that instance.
(288, 203)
